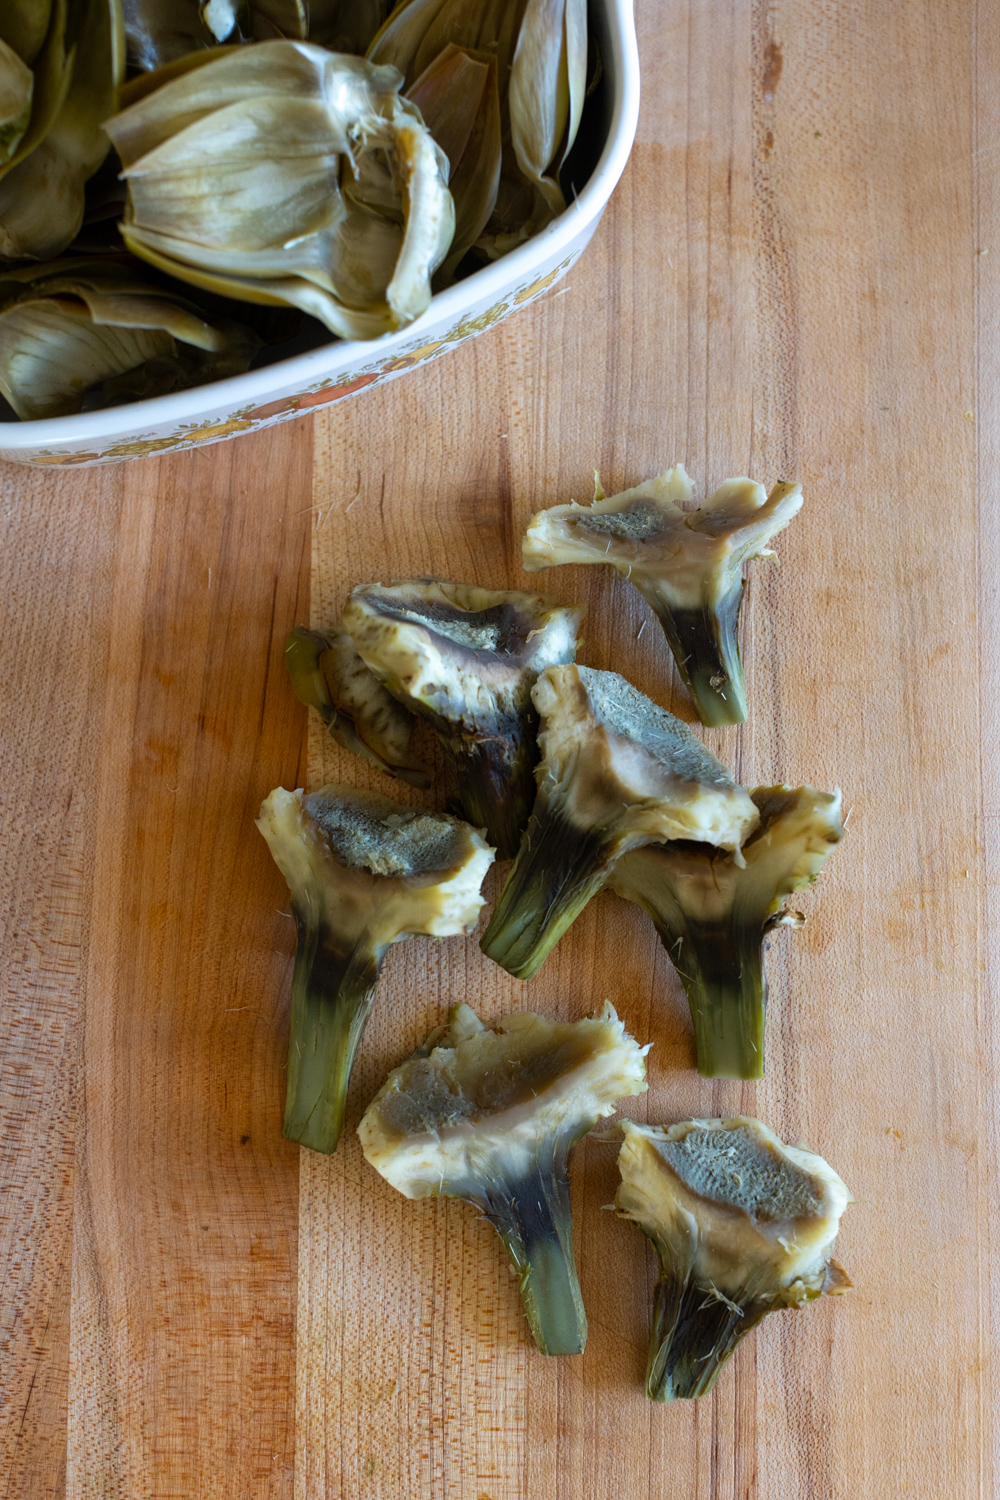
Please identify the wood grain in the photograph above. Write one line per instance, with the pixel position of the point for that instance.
(799, 276)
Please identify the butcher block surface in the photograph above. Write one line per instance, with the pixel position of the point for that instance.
(798, 277)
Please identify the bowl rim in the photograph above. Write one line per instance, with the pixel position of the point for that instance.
(487, 284)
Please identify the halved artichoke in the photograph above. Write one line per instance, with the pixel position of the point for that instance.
(283, 173)
(50, 135)
(491, 1116)
(466, 659)
(363, 873)
(540, 48)
(743, 1225)
(713, 915)
(687, 564)
(617, 771)
(328, 674)
(90, 332)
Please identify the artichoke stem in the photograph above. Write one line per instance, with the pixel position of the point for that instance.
(331, 1000)
(723, 977)
(558, 869)
(695, 1331)
(706, 650)
(496, 788)
(532, 1217)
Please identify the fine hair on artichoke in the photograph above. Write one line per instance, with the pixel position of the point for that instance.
(491, 1115)
(616, 771)
(742, 1224)
(466, 659)
(363, 872)
(282, 173)
(687, 563)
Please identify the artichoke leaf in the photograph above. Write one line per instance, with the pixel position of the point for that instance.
(42, 194)
(346, 25)
(17, 83)
(283, 173)
(71, 327)
(460, 104)
(24, 26)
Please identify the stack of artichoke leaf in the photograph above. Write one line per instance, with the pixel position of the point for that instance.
(283, 173)
(540, 47)
(86, 330)
(60, 65)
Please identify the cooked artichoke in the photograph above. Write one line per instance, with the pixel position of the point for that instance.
(283, 173)
(616, 772)
(50, 134)
(713, 916)
(466, 660)
(492, 1117)
(687, 564)
(328, 674)
(363, 873)
(540, 48)
(86, 332)
(163, 31)
(458, 99)
(743, 1225)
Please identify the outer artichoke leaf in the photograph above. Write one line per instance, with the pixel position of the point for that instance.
(17, 83)
(539, 95)
(24, 25)
(327, 674)
(460, 104)
(346, 25)
(52, 70)
(742, 1224)
(161, 31)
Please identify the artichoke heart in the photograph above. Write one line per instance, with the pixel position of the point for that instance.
(687, 564)
(491, 1116)
(50, 126)
(617, 771)
(743, 1225)
(713, 915)
(87, 332)
(282, 173)
(540, 47)
(466, 660)
(328, 674)
(363, 873)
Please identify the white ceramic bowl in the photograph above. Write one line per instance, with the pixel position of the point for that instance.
(300, 384)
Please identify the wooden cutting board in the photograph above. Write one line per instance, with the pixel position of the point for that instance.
(799, 276)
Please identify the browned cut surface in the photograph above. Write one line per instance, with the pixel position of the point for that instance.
(798, 277)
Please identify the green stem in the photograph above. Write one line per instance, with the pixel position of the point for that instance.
(722, 971)
(706, 649)
(496, 782)
(332, 993)
(694, 1333)
(532, 1217)
(558, 869)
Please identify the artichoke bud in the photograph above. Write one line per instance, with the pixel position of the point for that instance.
(86, 332)
(616, 772)
(492, 1116)
(742, 1224)
(713, 915)
(287, 174)
(687, 563)
(466, 659)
